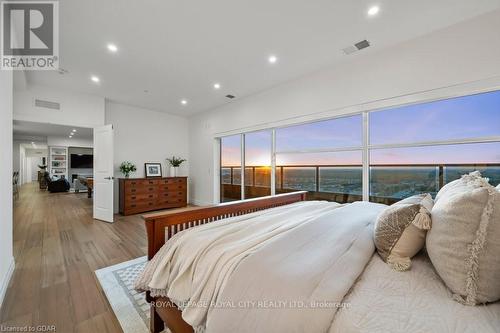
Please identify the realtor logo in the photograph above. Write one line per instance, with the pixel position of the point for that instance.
(30, 35)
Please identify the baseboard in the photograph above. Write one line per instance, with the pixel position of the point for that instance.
(5, 283)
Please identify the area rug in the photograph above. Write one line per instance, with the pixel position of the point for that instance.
(129, 306)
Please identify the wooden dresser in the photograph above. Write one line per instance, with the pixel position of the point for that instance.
(139, 195)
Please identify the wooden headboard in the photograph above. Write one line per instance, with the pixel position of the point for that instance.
(162, 226)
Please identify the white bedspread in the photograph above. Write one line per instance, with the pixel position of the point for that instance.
(415, 301)
(308, 253)
(302, 277)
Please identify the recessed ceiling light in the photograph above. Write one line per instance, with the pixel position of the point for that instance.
(74, 130)
(184, 102)
(272, 59)
(95, 79)
(373, 10)
(112, 47)
(70, 136)
(32, 143)
(216, 85)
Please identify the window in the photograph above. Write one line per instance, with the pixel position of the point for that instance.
(317, 157)
(410, 153)
(410, 149)
(328, 134)
(258, 164)
(230, 172)
(475, 116)
(335, 176)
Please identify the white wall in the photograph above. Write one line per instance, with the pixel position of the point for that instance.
(6, 144)
(142, 135)
(76, 109)
(64, 141)
(457, 60)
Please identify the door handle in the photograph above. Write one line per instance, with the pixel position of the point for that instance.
(109, 178)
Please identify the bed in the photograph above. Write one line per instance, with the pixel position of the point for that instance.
(283, 264)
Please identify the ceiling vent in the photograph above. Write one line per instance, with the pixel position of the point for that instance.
(40, 103)
(356, 47)
(230, 96)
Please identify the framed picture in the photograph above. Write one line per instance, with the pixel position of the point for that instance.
(152, 169)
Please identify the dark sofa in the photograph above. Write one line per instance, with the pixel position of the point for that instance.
(55, 186)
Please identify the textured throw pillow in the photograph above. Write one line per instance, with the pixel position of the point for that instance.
(400, 230)
(464, 243)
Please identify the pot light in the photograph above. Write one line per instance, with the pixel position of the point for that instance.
(95, 79)
(112, 47)
(70, 136)
(184, 102)
(272, 59)
(216, 85)
(372, 11)
(74, 130)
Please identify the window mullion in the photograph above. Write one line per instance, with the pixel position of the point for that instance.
(242, 166)
(366, 158)
(273, 162)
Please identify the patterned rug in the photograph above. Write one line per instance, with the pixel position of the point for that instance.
(129, 306)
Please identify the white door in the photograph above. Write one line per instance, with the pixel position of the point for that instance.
(103, 173)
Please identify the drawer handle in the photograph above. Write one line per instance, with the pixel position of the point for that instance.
(151, 182)
(151, 188)
(150, 203)
(150, 195)
(180, 193)
(166, 194)
(133, 183)
(133, 190)
(133, 198)
(132, 206)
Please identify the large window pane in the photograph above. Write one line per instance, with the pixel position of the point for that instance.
(334, 176)
(230, 188)
(258, 164)
(401, 172)
(451, 119)
(335, 133)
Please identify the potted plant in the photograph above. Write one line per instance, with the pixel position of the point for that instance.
(126, 168)
(175, 163)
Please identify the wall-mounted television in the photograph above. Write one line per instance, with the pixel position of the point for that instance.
(82, 161)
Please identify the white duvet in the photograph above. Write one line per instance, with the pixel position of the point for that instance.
(285, 269)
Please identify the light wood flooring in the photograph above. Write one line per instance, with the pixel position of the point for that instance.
(57, 248)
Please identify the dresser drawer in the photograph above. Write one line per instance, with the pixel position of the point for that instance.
(172, 181)
(172, 194)
(172, 187)
(141, 197)
(141, 205)
(142, 182)
(141, 190)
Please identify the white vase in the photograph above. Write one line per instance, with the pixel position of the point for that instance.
(173, 171)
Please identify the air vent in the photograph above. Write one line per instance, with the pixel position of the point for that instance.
(356, 47)
(230, 96)
(47, 104)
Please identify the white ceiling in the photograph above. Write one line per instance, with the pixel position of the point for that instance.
(177, 49)
(31, 129)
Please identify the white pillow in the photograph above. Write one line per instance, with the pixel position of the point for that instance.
(464, 242)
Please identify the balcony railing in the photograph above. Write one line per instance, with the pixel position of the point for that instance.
(343, 183)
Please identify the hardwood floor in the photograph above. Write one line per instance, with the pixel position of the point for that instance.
(57, 248)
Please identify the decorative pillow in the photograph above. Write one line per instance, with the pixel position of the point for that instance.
(464, 243)
(400, 230)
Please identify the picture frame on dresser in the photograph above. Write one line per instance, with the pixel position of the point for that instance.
(152, 170)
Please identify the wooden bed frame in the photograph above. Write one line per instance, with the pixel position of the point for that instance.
(162, 226)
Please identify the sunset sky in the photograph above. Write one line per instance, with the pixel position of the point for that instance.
(453, 119)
